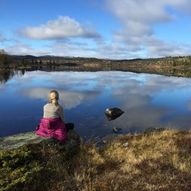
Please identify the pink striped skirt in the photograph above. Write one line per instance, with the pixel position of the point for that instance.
(52, 128)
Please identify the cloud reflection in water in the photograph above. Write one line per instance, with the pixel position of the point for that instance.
(148, 100)
(66, 98)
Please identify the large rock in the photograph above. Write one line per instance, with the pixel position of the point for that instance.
(15, 141)
(113, 113)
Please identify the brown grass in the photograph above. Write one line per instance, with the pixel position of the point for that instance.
(158, 161)
(155, 161)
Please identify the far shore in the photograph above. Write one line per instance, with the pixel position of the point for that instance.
(172, 66)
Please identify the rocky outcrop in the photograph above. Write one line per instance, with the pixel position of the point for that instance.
(18, 140)
(28, 161)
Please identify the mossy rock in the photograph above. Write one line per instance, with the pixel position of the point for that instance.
(15, 141)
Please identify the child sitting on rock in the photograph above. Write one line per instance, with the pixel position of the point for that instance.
(52, 124)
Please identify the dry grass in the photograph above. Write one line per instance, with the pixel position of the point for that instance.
(155, 161)
(159, 161)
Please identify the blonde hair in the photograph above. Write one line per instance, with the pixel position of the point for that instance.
(54, 97)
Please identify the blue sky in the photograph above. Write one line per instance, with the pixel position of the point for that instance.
(117, 29)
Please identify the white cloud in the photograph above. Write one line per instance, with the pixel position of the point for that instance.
(138, 19)
(159, 48)
(73, 49)
(23, 49)
(62, 27)
(118, 50)
(135, 38)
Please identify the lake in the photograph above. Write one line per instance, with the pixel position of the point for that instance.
(148, 100)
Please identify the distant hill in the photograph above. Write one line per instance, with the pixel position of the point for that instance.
(178, 66)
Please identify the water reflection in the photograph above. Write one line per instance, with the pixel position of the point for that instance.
(7, 74)
(148, 100)
(68, 99)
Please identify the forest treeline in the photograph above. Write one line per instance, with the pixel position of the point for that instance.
(177, 66)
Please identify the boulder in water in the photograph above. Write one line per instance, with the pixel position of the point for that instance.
(113, 113)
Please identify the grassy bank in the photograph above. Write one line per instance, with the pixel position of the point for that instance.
(149, 162)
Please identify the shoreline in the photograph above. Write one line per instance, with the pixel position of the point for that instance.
(17, 140)
(169, 66)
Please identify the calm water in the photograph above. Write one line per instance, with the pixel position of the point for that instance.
(148, 101)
